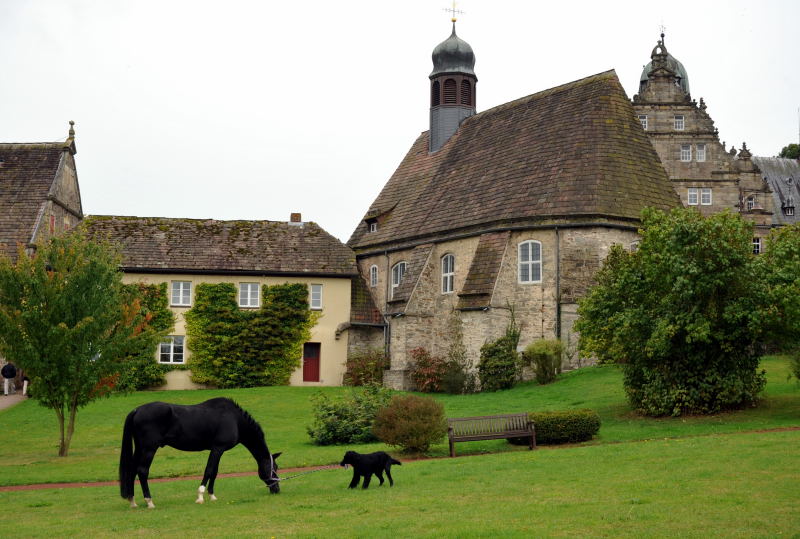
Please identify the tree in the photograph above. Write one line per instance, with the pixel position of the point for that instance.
(792, 151)
(66, 319)
(684, 314)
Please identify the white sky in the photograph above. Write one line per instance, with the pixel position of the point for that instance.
(255, 109)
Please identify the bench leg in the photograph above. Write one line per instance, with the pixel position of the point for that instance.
(452, 449)
(532, 445)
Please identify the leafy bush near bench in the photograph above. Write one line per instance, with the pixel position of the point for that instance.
(411, 422)
(567, 426)
(348, 420)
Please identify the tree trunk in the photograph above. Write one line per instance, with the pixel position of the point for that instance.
(73, 410)
(62, 447)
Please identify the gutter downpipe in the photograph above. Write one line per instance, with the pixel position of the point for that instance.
(558, 284)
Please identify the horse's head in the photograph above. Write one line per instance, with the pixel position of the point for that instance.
(268, 472)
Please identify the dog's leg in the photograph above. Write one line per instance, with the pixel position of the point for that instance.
(367, 477)
(356, 478)
(389, 475)
(380, 477)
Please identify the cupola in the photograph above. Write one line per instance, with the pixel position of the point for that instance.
(660, 58)
(453, 83)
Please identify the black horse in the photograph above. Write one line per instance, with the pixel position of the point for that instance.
(217, 424)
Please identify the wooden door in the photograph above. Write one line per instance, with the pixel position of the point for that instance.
(311, 352)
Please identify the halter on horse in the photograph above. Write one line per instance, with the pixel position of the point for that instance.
(216, 425)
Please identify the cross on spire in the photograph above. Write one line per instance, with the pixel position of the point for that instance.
(453, 11)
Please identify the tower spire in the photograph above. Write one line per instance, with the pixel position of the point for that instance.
(453, 12)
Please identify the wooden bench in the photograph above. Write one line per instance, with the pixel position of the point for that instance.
(490, 427)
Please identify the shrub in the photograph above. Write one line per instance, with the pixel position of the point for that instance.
(348, 420)
(568, 426)
(411, 422)
(141, 373)
(499, 365)
(794, 364)
(545, 357)
(426, 371)
(365, 367)
(459, 377)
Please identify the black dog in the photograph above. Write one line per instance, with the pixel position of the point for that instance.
(366, 465)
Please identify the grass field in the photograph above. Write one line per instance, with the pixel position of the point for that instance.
(710, 476)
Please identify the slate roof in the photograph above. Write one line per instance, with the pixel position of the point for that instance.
(783, 177)
(479, 284)
(27, 173)
(576, 150)
(160, 244)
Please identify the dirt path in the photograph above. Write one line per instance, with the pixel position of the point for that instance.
(291, 471)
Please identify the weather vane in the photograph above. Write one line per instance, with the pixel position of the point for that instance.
(662, 28)
(453, 11)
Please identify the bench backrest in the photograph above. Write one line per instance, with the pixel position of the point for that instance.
(490, 424)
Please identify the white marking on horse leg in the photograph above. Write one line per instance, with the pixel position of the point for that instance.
(212, 498)
(150, 504)
(200, 492)
(133, 503)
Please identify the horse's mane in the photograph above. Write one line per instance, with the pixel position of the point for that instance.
(248, 418)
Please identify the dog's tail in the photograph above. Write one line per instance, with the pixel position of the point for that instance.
(392, 461)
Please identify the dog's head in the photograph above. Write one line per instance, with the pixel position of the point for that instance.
(349, 458)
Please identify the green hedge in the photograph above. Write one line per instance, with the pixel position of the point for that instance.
(567, 426)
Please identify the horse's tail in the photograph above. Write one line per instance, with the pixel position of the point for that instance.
(127, 466)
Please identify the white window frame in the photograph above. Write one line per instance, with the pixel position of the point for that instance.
(448, 273)
(315, 297)
(692, 196)
(398, 271)
(643, 121)
(180, 294)
(788, 210)
(700, 153)
(174, 349)
(249, 295)
(372, 226)
(530, 265)
(686, 153)
(679, 121)
(705, 196)
(373, 276)
(751, 202)
(756, 246)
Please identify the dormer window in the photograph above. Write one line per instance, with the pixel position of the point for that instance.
(751, 202)
(372, 225)
(679, 123)
(643, 121)
(398, 270)
(788, 208)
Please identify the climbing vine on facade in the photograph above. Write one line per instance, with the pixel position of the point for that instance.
(233, 347)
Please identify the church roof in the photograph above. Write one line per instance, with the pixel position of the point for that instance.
(171, 245)
(27, 173)
(783, 177)
(576, 150)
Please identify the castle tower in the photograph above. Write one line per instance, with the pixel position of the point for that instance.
(453, 83)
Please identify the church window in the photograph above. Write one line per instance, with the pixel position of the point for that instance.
(705, 197)
(435, 94)
(686, 152)
(679, 123)
(450, 91)
(373, 276)
(398, 271)
(315, 298)
(248, 294)
(643, 120)
(181, 293)
(171, 350)
(756, 246)
(701, 152)
(530, 261)
(466, 92)
(448, 273)
(692, 196)
(751, 202)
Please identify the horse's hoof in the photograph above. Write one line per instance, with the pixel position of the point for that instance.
(212, 498)
(199, 500)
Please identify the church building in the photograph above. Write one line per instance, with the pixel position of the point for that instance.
(512, 209)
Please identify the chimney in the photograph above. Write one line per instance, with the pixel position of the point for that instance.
(295, 219)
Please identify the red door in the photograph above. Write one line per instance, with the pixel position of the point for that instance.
(311, 362)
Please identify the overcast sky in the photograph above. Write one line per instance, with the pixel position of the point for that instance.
(255, 109)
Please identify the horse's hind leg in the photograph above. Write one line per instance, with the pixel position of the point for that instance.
(212, 466)
(143, 470)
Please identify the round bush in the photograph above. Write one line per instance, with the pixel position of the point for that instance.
(411, 422)
(568, 426)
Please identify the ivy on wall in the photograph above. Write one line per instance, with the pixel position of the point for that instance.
(138, 369)
(233, 347)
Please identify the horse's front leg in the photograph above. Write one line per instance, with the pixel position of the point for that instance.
(143, 470)
(212, 466)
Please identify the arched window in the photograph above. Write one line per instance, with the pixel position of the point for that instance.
(450, 91)
(435, 93)
(466, 92)
(530, 261)
(398, 270)
(373, 276)
(448, 273)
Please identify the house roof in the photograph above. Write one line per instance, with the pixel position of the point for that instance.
(160, 244)
(27, 173)
(576, 150)
(783, 177)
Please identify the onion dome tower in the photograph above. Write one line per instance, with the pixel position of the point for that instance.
(453, 83)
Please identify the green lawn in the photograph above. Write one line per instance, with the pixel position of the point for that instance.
(694, 477)
(28, 432)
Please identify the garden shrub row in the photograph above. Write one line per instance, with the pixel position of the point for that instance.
(561, 427)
